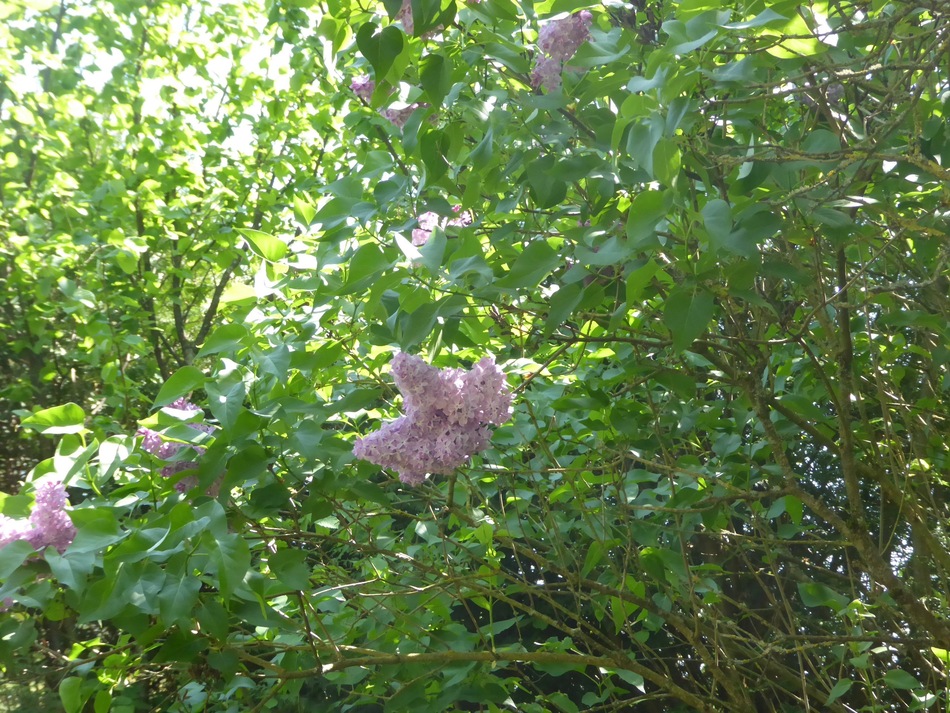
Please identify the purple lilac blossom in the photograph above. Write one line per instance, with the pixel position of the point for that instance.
(363, 87)
(405, 16)
(13, 529)
(445, 421)
(408, 24)
(428, 222)
(152, 442)
(177, 467)
(48, 524)
(558, 41)
(546, 73)
(399, 117)
(183, 404)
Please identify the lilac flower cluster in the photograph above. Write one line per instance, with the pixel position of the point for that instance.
(154, 443)
(48, 524)
(399, 117)
(408, 24)
(405, 17)
(558, 41)
(447, 412)
(429, 221)
(364, 87)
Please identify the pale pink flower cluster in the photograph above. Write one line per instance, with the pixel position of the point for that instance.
(447, 412)
(429, 221)
(154, 443)
(399, 117)
(364, 87)
(405, 17)
(48, 524)
(558, 41)
(408, 24)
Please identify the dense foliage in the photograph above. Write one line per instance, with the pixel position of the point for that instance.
(705, 242)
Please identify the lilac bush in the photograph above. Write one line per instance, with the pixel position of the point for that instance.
(447, 412)
(48, 524)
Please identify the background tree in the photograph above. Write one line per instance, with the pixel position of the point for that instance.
(707, 243)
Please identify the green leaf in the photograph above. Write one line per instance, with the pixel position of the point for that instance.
(112, 452)
(355, 400)
(304, 210)
(252, 461)
(408, 697)
(365, 267)
(646, 210)
(232, 556)
(290, 567)
(415, 326)
(433, 146)
(793, 40)
(227, 338)
(942, 654)
(841, 687)
(226, 401)
(605, 49)
(177, 599)
(370, 492)
(595, 553)
(482, 154)
(103, 702)
(686, 47)
(71, 569)
(666, 161)
(717, 216)
(381, 49)
(265, 245)
(71, 695)
(821, 141)
(754, 226)
(96, 530)
(435, 75)
(531, 266)
(794, 508)
(15, 505)
(638, 279)
(818, 595)
(181, 383)
(12, 556)
(642, 140)
(615, 250)
(900, 679)
(686, 314)
(634, 679)
(68, 418)
(546, 187)
(127, 262)
(766, 17)
(563, 303)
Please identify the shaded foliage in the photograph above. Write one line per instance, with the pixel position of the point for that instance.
(713, 264)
